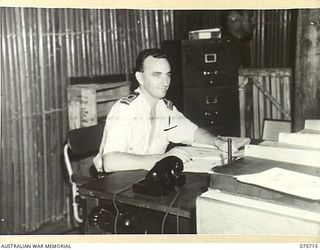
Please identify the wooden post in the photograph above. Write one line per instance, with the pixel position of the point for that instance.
(307, 74)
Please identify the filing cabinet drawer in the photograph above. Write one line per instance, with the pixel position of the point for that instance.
(216, 109)
(209, 63)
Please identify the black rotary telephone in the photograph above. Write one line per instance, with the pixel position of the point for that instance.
(162, 178)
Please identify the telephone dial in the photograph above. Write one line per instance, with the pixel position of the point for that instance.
(162, 178)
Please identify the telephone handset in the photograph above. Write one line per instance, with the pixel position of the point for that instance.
(162, 178)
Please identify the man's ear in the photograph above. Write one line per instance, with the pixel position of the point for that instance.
(138, 76)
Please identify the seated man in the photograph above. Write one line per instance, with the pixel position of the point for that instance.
(140, 126)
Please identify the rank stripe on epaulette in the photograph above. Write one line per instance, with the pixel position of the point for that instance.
(168, 103)
(129, 98)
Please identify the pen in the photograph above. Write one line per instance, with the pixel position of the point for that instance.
(229, 151)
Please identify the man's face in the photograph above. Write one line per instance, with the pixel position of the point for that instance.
(155, 78)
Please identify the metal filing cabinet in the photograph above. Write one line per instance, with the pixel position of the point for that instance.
(210, 84)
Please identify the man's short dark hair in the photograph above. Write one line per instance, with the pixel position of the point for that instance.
(155, 52)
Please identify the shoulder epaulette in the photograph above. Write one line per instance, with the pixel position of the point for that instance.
(168, 103)
(129, 98)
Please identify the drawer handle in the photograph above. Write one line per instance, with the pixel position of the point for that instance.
(215, 113)
(210, 58)
(212, 100)
(206, 73)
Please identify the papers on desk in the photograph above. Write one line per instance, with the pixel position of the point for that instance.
(210, 153)
(240, 141)
(204, 159)
(202, 165)
(205, 156)
(285, 181)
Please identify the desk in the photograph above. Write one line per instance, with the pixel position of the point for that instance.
(224, 180)
(100, 192)
(251, 209)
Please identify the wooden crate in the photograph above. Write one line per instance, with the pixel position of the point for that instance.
(264, 93)
(89, 102)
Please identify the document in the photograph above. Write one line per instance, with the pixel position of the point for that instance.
(240, 141)
(205, 156)
(285, 181)
(202, 165)
(204, 159)
(207, 153)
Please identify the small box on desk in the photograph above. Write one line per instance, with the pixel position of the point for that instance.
(89, 102)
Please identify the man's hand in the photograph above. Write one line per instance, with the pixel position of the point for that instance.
(180, 153)
(223, 145)
(97, 161)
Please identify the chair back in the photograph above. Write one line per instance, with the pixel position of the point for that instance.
(85, 141)
(81, 143)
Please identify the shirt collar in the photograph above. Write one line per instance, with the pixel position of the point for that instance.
(145, 102)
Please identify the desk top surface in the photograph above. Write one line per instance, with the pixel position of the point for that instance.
(107, 186)
(224, 179)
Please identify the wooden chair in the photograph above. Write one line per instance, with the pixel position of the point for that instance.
(81, 143)
(271, 129)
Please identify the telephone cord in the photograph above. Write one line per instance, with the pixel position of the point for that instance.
(116, 207)
(169, 208)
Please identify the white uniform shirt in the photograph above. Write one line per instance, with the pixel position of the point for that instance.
(129, 127)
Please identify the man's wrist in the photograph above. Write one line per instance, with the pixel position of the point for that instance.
(218, 142)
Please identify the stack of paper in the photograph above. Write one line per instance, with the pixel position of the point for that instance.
(204, 159)
(298, 148)
(312, 124)
(205, 156)
(301, 139)
(311, 127)
(284, 152)
(239, 141)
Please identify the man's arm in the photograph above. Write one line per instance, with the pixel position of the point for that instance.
(118, 161)
(203, 136)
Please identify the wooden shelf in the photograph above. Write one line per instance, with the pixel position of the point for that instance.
(89, 102)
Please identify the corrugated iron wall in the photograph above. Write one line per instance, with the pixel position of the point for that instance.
(40, 50)
(273, 43)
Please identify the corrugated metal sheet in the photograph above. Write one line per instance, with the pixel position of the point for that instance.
(40, 50)
(273, 40)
